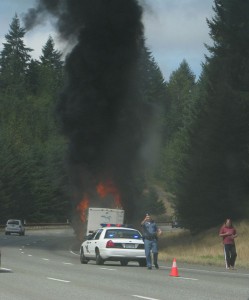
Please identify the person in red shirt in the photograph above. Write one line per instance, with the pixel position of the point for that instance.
(228, 233)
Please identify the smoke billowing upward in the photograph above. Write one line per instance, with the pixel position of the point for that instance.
(101, 105)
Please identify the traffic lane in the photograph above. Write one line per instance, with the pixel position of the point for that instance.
(65, 278)
(96, 280)
(55, 238)
(36, 267)
(191, 284)
(34, 277)
(115, 282)
(57, 242)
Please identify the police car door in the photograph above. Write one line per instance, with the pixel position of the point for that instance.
(94, 243)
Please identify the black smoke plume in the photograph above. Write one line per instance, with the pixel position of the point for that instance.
(101, 108)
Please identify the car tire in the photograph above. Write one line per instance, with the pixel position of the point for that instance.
(124, 262)
(99, 259)
(83, 259)
(142, 262)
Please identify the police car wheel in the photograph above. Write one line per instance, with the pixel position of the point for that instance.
(83, 259)
(99, 260)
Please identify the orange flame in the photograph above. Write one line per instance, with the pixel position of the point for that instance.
(108, 188)
(82, 207)
(103, 189)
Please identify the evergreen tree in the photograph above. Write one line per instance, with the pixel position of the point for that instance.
(14, 58)
(181, 88)
(33, 184)
(51, 57)
(181, 93)
(46, 75)
(215, 180)
(33, 76)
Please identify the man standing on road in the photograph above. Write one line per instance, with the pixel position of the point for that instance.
(151, 233)
(228, 233)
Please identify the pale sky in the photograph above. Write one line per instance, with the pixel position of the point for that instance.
(174, 30)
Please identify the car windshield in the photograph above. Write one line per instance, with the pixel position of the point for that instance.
(13, 222)
(123, 233)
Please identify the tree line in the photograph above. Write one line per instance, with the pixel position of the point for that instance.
(205, 161)
(200, 129)
(32, 172)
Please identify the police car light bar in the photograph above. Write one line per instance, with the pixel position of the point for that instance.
(112, 225)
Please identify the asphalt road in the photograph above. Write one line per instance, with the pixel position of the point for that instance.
(45, 265)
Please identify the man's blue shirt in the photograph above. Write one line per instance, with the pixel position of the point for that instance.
(150, 229)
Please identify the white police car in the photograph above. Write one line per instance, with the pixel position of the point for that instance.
(113, 243)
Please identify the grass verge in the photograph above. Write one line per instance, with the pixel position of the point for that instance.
(205, 248)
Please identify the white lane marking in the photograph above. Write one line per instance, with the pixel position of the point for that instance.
(74, 253)
(108, 269)
(57, 279)
(142, 297)
(66, 263)
(187, 278)
(29, 254)
(5, 269)
(45, 258)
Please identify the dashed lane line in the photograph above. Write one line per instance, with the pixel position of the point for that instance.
(186, 278)
(142, 297)
(57, 279)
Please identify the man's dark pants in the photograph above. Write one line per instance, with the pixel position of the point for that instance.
(230, 255)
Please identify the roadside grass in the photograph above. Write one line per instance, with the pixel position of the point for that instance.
(205, 248)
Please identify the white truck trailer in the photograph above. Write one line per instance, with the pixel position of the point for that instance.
(97, 216)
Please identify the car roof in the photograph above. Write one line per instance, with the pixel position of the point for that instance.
(11, 220)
